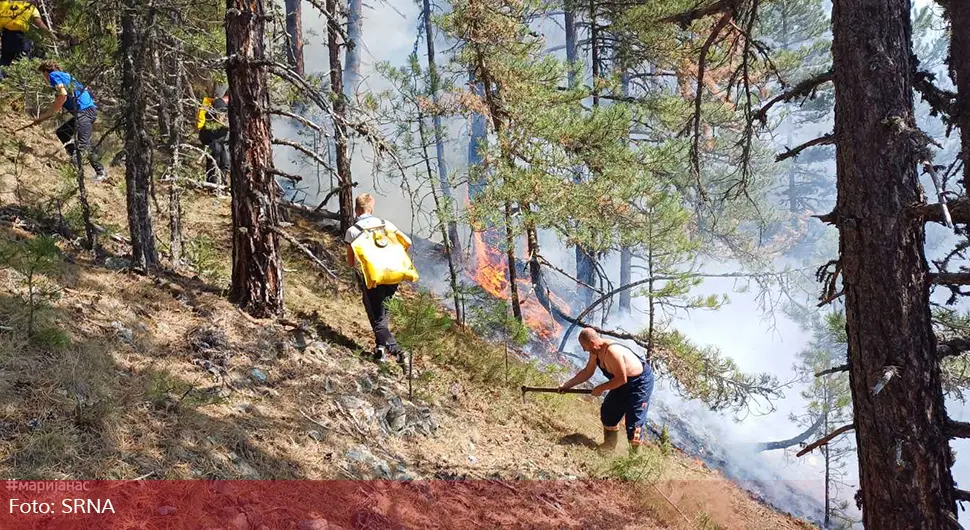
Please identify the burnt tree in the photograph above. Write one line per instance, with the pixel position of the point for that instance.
(904, 460)
(136, 27)
(341, 144)
(294, 35)
(959, 15)
(257, 272)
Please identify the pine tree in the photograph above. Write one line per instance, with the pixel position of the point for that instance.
(136, 44)
(257, 271)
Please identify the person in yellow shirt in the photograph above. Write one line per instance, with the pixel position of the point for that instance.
(16, 17)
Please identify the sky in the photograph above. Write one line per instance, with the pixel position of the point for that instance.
(738, 330)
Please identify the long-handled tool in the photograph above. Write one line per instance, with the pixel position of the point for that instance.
(554, 390)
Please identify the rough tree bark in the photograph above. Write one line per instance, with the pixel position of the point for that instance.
(344, 178)
(904, 460)
(136, 27)
(257, 272)
(294, 33)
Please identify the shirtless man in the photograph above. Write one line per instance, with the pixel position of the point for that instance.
(628, 389)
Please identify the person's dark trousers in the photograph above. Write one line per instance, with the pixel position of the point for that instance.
(218, 161)
(13, 45)
(374, 302)
(81, 124)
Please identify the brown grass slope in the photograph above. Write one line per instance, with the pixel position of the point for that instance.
(134, 376)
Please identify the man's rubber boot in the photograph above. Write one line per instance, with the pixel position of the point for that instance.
(610, 439)
(402, 360)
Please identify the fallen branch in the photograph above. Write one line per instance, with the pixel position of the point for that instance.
(303, 248)
(314, 214)
(826, 439)
(672, 504)
(793, 152)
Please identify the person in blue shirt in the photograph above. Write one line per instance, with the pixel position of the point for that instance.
(71, 96)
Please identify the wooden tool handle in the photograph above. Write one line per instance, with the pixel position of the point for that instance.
(556, 390)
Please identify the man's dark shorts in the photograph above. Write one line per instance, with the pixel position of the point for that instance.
(630, 402)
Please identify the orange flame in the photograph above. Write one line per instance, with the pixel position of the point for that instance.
(491, 273)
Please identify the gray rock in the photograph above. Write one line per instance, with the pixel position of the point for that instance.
(366, 466)
(316, 435)
(472, 459)
(124, 333)
(365, 384)
(396, 416)
(117, 264)
(239, 522)
(358, 408)
(259, 376)
(421, 421)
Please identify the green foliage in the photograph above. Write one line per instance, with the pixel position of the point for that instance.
(705, 374)
(647, 464)
(204, 256)
(420, 325)
(492, 319)
(36, 260)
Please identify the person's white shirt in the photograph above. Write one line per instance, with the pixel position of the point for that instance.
(370, 221)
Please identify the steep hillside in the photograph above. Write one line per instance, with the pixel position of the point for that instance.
(128, 376)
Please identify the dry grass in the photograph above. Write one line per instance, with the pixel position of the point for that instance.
(106, 405)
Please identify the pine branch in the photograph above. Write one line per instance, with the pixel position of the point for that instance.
(961, 495)
(828, 139)
(299, 147)
(950, 278)
(957, 429)
(803, 89)
(784, 444)
(686, 18)
(953, 347)
(941, 101)
(826, 439)
(959, 211)
(834, 370)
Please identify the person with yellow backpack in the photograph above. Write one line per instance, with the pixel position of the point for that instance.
(379, 253)
(212, 122)
(16, 17)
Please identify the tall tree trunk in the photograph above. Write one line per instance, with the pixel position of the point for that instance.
(136, 25)
(626, 253)
(257, 271)
(170, 118)
(434, 87)
(585, 265)
(344, 178)
(585, 260)
(440, 211)
(355, 20)
(510, 256)
(959, 14)
(904, 459)
(294, 35)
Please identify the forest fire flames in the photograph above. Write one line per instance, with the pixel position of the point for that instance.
(491, 273)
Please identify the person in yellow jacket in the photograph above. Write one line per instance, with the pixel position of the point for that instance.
(376, 298)
(213, 125)
(16, 17)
